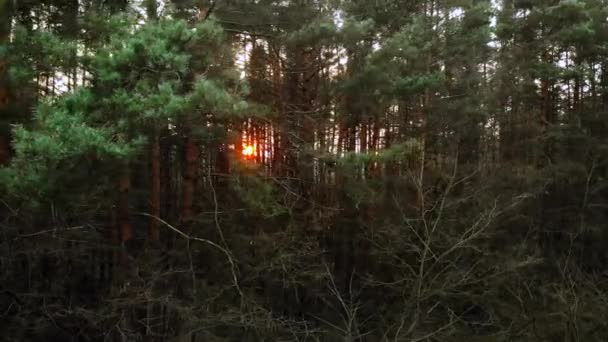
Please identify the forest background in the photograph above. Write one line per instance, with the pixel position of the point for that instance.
(320, 170)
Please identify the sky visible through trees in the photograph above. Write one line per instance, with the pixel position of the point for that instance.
(311, 170)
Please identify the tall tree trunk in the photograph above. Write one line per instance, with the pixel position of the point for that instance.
(151, 9)
(546, 105)
(277, 103)
(191, 161)
(155, 157)
(124, 215)
(155, 189)
(309, 94)
(5, 28)
(577, 94)
(604, 85)
(4, 149)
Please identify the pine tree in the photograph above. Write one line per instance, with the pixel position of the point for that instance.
(5, 30)
(297, 170)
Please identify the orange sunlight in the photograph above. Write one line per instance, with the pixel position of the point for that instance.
(248, 150)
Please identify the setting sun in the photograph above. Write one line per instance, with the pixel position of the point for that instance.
(248, 150)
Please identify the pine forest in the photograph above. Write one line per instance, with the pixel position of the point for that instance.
(304, 170)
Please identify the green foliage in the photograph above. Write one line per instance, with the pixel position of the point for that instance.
(402, 152)
(353, 32)
(259, 196)
(32, 52)
(424, 175)
(53, 147)
(317, 32)
(139, 80)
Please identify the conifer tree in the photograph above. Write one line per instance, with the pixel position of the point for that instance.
(303, 170)
(5, 100)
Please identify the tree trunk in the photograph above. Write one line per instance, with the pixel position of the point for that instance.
(4, 149)
(5, 28)
(155, 189)
(191, 160)
(577, 94)
(604, 85)
(545, 101)
(124, 216)
(151, 9)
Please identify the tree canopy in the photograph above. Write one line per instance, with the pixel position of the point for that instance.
(388, 170)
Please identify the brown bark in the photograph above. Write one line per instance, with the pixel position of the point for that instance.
(277, 102)
(4, 150)
(5, 27)
(593, 86)
(604, 84)
(577, 94)
(155, 189)
(363, 137)
(124, 216)
(277, 152)
(222, 161)
(546, 105)
(424, 111)
(545, 101)
(352, 139)
(191, 160)
(376, 135)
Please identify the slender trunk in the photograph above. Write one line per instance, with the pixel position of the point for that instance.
(114, 238)
(155, 189)
(4, 150)
(277, 90)
(5, 28)
(376, 135)
(604, 85)
(363, 137)
(341, 138)
(546, 105)
(424, 145)
(258, 143)
(167, 174)
(155, 163)
(151, 9)
(277, 152)
(577, 94)
(309, 93)
(593, 86)
(191, 160)
(124, 216)
(545, 118)
(352, 139)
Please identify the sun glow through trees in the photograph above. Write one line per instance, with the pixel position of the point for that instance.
(249, 150)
